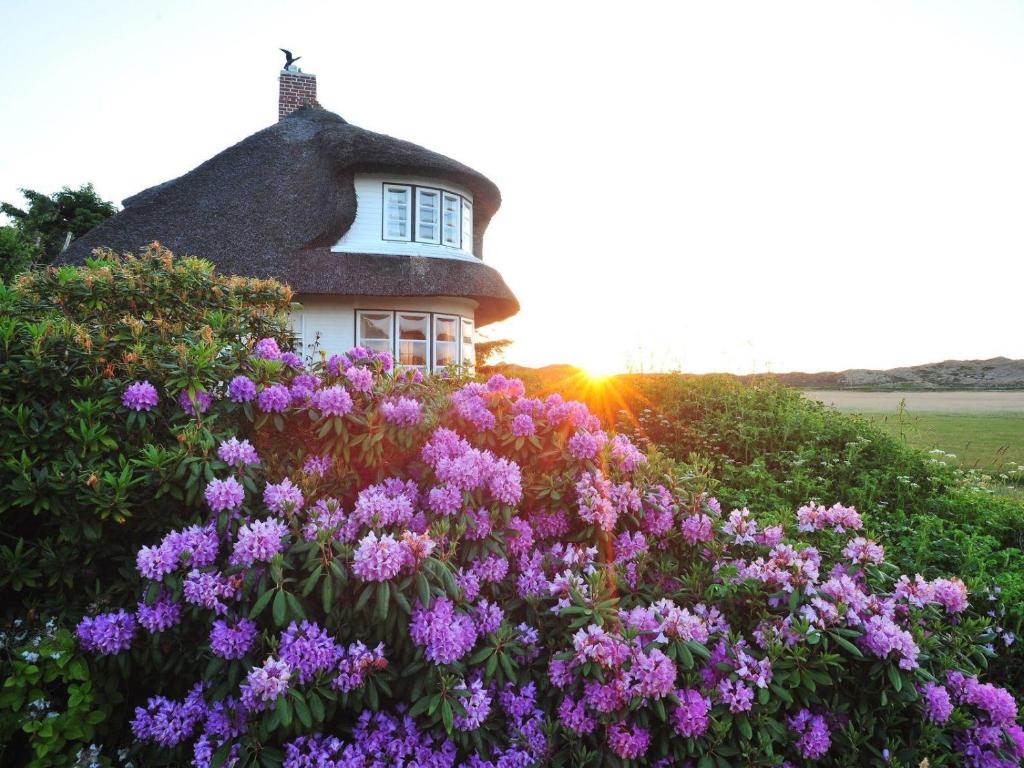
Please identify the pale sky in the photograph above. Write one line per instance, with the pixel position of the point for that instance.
(738, 186)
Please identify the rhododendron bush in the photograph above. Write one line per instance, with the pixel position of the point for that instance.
(399, 571)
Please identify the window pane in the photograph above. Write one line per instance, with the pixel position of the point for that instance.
(412, 327)
(412, 353)
(445, 329)
(452, 216)
(375, 326)
(377, 345)
(468, 350)
(428, 215)
(396, 213)
(445, 353)
(467, 226)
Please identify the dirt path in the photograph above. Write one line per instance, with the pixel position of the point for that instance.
(922, 402)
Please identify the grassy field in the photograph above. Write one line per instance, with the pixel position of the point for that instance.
(985, 430)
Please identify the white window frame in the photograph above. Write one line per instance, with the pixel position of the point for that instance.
(467, 225)
(471, 361)
(422, 192)
(456, 214)
(361, 340)
(407, 189)
(435, 365)
(424, 341)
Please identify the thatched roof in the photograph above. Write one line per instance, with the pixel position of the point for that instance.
(273, 204)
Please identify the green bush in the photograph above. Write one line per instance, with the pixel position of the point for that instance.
(770, 448)
(74, 503)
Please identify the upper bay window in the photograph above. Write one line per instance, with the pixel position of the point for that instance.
(434, 216)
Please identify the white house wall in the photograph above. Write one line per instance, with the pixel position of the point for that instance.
(328, 323)
(366, 233)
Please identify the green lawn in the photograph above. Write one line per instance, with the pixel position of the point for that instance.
(987, 441)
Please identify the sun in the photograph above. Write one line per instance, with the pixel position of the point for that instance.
(599, 369)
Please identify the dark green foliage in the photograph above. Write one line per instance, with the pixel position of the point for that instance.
(771, 449)
(17, 252)
(74, 507)
(48, 219)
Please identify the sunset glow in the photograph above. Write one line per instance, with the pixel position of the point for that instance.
(738, 186)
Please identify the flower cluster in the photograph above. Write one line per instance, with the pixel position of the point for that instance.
(519, 587)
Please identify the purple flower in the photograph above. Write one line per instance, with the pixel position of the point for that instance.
(626, 455)
(317, 466)
(237, 453)
(402, 412)
(283, 497)
(161, 615)
(332, 401)
(573, 716)
(274, 399)
(292, 360)
(360, 377)
(267, 349)
(232, 641)
(203, 400)
(690, 718)
(738, 695)
(477, 705)
(937, 705)
(356, 664)
(628, 742)
(140, 396)
(167, 722)
(378, 559)
(523, 426)
(242, 389)
(259, 541)
(488, 617)
(585, 445)
(265, 684)
(107, 633)
(224, 494)
(813, 734)
(698, 529)
(654, 674)
(308, 650)
(209, 590)
(446, 634)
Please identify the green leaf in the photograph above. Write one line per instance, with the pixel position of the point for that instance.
(279, 608)
(894, 677)
(261, 603)
(383, 600)
(303, 712)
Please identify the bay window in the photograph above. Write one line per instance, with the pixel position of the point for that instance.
(436, 216)
(397, 212)
(422, 340)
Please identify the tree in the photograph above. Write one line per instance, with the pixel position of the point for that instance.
(47, 219)
(17, 253)
(488, 352)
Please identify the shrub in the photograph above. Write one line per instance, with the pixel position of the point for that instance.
(406, 572)
(88, 469)
(768, 447)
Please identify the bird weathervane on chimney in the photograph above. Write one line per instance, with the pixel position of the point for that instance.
(297, 89)
(290, 60)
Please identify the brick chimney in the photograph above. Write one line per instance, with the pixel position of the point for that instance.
(297, 89)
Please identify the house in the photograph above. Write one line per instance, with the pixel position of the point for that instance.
(382, 240)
